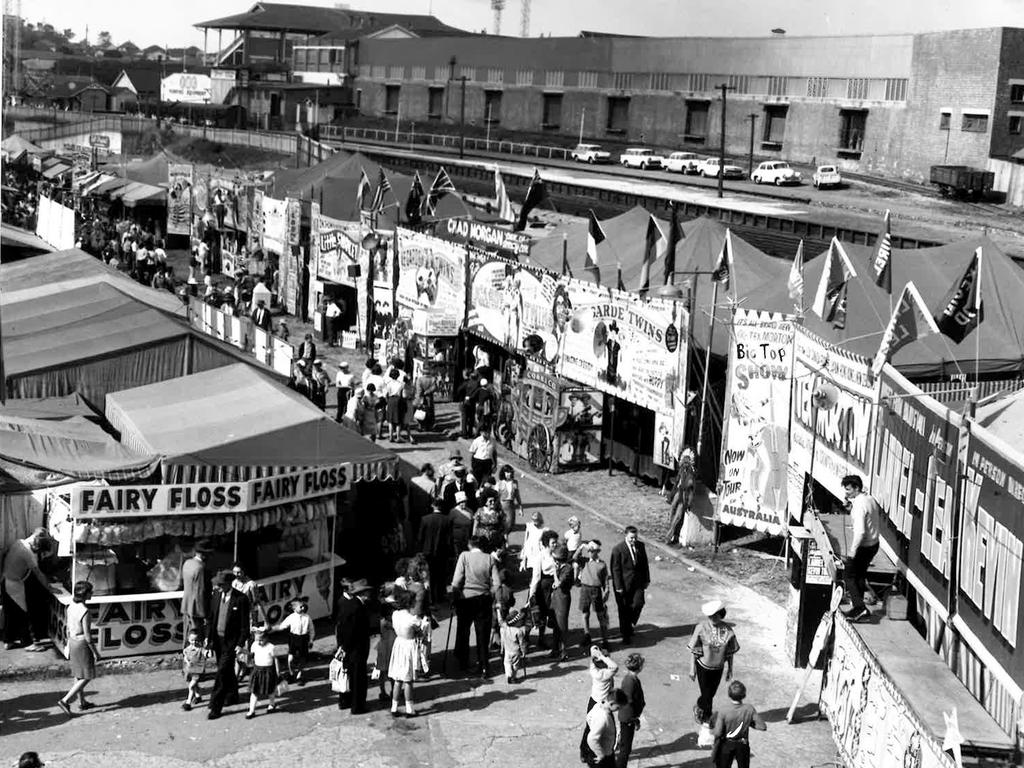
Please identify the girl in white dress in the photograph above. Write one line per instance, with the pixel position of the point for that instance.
(405, 663)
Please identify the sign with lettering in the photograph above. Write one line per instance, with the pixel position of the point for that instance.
(843, 431)
(625, 346)
(186, 87)
(753, 486)
(488, 237)
(94, 502)
(337, 249)
(99, 141)
(274, 224)
(432, 279)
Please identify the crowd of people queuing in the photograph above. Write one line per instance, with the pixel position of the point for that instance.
(21, 197)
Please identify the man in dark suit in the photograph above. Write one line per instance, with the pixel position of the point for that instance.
(228, 632)
(353, 635)
(195, 599)
(261, 316)
(463, 483)
(435, 543)
(631, 575)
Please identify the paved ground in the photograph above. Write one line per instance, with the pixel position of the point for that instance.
(464, 722)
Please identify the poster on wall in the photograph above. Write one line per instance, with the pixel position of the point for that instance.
(843, 444)
(432, 279)
(337, 253)
(256, 221)
(293, 220)
(275, 224)
(227, 199)
(873, 725)
(383, 313)
(626, 347)
(179, 198)
(753, 487)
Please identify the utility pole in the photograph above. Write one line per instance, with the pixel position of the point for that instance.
(750, 157)
(721, 151)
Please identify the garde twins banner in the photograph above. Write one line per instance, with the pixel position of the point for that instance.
(431, 282)
(755, 445)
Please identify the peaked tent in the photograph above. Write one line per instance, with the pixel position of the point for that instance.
(15, 147)
(1004, 418)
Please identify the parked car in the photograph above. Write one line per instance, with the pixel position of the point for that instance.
(709, 166)
(777, 172)
(641, 157)
(590, 153)
(682, 162)
(826, 176)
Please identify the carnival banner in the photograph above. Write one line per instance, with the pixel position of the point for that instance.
(844, 430)
(432, 279)
(624, 346)
(512, 305)
(383, 312)
(256, 221)
(179, 199)
(488, 237)
(275, 224)
(293, 220)
(337, 249)
(873, 725)
(753, 491)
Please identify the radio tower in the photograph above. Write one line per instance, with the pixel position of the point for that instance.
(497, 6)
(524, 21)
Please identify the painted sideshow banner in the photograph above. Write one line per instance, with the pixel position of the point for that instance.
(431, 279)
(624, 346)
(753, 489)
(873, 725)
(293, 220)
(913, 478)
(383, 312)
(512, 305)
(336, 249)
(222, 194)
(256, 221)
(275, 224)
(179, 199)
(844, 431)
(488, 237)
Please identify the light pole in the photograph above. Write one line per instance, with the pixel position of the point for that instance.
(721, 151)
(750, 157)
(462, 104)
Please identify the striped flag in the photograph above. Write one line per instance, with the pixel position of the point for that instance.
(535, 195)
(383, 187)
(656, 242)
(441, 186)
(362, 189)
(503, 202)
(830, 298)
(414, 203)
(723, 267)
(796, 280)
(882, 265)
(962, 308)
(910, 321)
(595, 236)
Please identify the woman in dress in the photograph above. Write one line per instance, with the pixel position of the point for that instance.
(508, 496)
(387, 639)
(82, 651)
(423, 400)
(405, 655)
(394, 389)
(489, 525)
(263, 683)
(561, 600)
(366, 413)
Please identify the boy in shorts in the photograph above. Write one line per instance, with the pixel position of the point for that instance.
(193, 664)
(594, 589)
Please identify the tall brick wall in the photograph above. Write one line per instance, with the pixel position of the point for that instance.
(1011, 68)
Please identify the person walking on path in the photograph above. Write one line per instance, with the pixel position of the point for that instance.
(473, 586)
(82, 652)
(483, 453)
(531, 541)
(602, 683)
(629, 715)
(344, 380)
(561, 601)
(542, 583)
(405, 665)
(712, 646)
(732, 730)
(434, 542)
(864, 511)
(263, 684)
(423, 398)
(230, 617)
(422, 491)
(462, 521)
(631, 575)
(601, 729)
(508, 496)
(489, 525)
(353, 636)
(594, 589)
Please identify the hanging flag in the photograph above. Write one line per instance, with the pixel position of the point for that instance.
(952, 739)
(383, 187)
(655, 246)
(362, 189)
(675, 236)
(723, 267)
(962, 308)
(441, 186)
(830, 298)
(595, 236)
(796, 280)
(566, 270)
(910, 321)
(504, 203)
(535, 195)
(618, 281)
(883, 258)
(414, 203)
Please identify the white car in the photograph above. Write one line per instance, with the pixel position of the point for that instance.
(826, 176)
(682, 162)
(590, 153)
(775, 172)
(710, 166)
(640, 157)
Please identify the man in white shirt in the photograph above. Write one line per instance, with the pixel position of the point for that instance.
(601, 728)
(473, 586)
(343, 380)
(333, 313)
(864, 545)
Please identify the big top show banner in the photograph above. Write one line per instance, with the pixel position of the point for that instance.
(753, 492)
(431, 282)
(625, 346)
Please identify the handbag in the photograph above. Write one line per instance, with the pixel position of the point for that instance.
(419, 414)
(337, 673)
(705, 736)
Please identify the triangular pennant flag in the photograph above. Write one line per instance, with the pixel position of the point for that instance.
(503, 202)
(962, 309)
(618, 281)
(675, 236)
(441, 186)
(952, 739)
(723, 267)
(362, 190)
(595, 236)
(535, 195)
(830, 298)
(566, 269)
(882, 265)
(383, 187)
(653, 248)
(796, 280)
(414, 203)
(910, 321)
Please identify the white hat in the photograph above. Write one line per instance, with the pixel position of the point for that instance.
(711, 607)
(460, 497)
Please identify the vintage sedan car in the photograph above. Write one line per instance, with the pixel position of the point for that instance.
(590, 153)
(641, 157)
(826, 176)
(777, 172)
(682, 162)
(710, 166)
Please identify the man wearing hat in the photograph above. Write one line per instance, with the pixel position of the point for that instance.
(261, 316)
(230, 614)
(712, 646)
(196, 585)
(462, 482)
(343, 380)
(353, 635)
(320, 382)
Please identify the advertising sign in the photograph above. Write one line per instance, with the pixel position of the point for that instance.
(256, 221)
(186, 87)
(383, 312)
(274, 224)
(293, 217)
(432, 279)
(626, 347)
(753, 491)
(336, 248)
(844, 431)
(488, 237)
(99, 141)
(873, 725)
(179, 199)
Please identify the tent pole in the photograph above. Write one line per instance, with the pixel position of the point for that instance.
(707, 371)
(234, 556)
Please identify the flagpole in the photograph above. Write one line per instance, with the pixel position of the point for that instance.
(977, 328)
(707, 365)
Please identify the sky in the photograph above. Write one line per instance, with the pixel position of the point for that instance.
(148, 22)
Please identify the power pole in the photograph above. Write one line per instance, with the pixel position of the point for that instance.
(750, 157)
(721, 150)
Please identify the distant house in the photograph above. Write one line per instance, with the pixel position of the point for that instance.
(154, 53)
(71, 91)
(128, 48)
(134, 86)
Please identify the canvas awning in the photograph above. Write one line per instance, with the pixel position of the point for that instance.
(109, 186)
(94, 184)
(56, 170)
(232, 423)
(144, 194)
